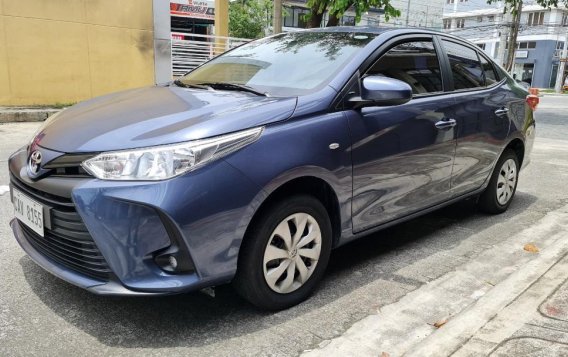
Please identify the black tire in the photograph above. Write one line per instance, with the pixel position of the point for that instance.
(488, 201)
(250, 282)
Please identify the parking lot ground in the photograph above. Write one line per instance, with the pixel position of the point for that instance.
(455, 281)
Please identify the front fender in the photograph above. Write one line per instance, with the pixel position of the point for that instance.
(300, 148)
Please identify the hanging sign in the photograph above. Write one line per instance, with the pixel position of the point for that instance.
(197, 9)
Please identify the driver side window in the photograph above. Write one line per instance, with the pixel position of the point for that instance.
(413, 62)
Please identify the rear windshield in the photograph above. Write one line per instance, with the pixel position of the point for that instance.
(284, 65)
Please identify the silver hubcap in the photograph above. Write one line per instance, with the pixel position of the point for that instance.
(292, 253)
(506, 181)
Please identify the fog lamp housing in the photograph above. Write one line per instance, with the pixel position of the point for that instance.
(174, 261)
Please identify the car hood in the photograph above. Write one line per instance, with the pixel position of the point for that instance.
(156, 116)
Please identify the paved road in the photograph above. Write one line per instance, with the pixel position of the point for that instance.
(40, 314)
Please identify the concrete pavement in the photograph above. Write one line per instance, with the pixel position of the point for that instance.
(455, 265)
(474, 309)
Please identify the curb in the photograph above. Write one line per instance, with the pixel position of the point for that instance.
(554, 94)
(11, 115)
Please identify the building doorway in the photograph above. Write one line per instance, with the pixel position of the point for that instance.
(528, 73)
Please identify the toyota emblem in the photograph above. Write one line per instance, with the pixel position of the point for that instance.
(35, 161)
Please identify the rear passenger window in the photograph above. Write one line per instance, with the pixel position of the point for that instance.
(489, 72)
(465, 66)
(415, 63)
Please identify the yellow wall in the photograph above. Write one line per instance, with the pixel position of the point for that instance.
(62, 51)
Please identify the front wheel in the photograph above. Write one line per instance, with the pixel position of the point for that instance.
(503, 184)
(285, 253)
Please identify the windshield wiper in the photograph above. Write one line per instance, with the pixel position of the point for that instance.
(179, 83)
(233, 86)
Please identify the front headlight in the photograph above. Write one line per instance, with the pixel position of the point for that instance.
(164, 162)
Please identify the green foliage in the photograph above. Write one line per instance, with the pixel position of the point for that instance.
(337, 8)
(249, 18)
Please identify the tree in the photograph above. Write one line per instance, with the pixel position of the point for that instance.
(515, 7)
(336, 9)
(249, 18)
(512, 40)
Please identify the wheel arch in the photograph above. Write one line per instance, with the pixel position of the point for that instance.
(518, 146)
(311, 185)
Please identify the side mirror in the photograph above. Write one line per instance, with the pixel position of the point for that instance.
(382, 91)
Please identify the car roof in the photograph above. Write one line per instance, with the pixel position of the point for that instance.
(380, 30)
(371, 29)
(360, 29)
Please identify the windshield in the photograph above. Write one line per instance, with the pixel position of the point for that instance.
(284, 65)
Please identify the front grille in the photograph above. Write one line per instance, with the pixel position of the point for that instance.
(73, 171)
(68, 165)
(67, 241)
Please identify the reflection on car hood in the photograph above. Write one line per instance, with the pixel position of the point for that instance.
(157, 116)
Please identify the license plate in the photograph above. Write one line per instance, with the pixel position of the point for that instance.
(28, 211)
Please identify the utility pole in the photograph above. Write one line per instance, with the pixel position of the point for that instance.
(277, 18)
(513, 36)
(503, 35)
(407, 11)
(561, 67)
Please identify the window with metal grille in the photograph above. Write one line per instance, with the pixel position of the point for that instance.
(295, 17)
(535, 18)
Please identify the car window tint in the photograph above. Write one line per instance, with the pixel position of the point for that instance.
(489, 72)
(466, 69)
(415, 63)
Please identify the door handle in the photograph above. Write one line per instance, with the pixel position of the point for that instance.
(501, 112)
(445, 124)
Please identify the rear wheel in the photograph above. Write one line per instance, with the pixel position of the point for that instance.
(285, 253)
(503, 184)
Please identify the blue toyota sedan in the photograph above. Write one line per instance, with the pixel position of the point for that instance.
(251, 168)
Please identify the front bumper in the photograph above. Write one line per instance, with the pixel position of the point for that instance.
(93, 285)
(130, 222)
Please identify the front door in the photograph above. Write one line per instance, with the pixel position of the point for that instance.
(403, 155)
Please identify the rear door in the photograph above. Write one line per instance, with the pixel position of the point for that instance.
(403, 155)
(481, 115)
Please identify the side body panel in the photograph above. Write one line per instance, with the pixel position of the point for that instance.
(401, 161)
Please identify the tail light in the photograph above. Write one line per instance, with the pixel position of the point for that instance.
(532, 101)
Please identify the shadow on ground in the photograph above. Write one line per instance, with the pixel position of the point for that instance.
(195, 319)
